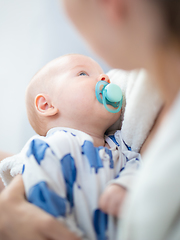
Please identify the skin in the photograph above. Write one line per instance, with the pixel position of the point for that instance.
(130, 34)
(115, 30)
(112, 200)
(2, 156)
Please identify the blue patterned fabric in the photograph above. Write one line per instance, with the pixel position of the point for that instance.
(37, 148)
(100, 221)
(64, 174)
(69, 173)
(92, 154)
(48, 200)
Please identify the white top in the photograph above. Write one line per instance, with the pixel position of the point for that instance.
(153, 208)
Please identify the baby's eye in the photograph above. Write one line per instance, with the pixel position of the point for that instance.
(83, 73)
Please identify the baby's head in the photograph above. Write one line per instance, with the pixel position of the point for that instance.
(62, 94)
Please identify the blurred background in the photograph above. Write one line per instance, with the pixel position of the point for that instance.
(32, 33)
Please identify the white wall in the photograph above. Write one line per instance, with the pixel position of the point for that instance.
(32, 33)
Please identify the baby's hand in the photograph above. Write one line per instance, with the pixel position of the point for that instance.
(111, 200)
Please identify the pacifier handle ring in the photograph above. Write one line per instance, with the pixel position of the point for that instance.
(97, 91)
(104, 100)
(106, 106)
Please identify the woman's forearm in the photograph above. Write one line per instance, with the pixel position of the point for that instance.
(2, 156)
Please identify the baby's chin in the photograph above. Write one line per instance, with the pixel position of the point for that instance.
(114, 121)
(114, 126)
(114, 116)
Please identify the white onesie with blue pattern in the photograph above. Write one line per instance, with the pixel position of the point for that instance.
(64, 174)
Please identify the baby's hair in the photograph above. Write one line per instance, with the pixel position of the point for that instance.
(42, 82)
(36, 86)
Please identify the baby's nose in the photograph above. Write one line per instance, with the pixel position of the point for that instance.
(104, 77)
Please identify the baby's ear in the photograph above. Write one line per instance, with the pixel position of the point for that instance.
(44, 106)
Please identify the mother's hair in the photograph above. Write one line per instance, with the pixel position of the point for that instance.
(171, 14)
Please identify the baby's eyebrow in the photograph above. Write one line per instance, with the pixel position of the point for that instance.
(79, 66)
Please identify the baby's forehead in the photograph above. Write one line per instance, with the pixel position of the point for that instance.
(74, 59)
(65, 64)
(70, 61)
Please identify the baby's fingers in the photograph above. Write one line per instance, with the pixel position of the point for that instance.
(111, 200)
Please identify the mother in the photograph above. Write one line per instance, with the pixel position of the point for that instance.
(130, 34)
(144, 34)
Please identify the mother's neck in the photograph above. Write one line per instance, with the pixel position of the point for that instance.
(165, 72)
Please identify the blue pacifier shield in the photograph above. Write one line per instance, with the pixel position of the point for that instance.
(109, 94)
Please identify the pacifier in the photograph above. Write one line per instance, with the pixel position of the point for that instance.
(109, 94)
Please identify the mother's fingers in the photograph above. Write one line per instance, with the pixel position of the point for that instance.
(20, 219)
(16, 186)
(56, 230)
(15, 189)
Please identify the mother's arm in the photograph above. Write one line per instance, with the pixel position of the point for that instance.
(21, 220)
(2, 156)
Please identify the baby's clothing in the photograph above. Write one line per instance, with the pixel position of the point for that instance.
(64, 174)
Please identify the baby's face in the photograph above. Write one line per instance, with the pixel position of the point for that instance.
(74, 90)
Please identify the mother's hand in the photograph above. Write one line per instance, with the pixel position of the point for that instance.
(20, 220)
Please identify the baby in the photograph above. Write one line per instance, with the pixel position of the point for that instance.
(71, 168)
